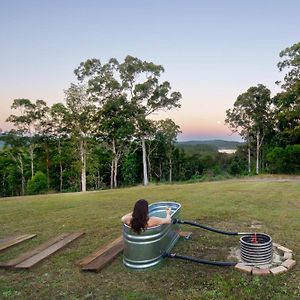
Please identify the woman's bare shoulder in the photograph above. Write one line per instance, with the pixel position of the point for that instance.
(127, 219)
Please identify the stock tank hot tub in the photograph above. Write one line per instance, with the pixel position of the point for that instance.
(146, 249)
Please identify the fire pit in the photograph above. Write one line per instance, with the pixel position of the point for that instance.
(256, 249)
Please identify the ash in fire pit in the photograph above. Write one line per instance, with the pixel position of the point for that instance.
(256, 249)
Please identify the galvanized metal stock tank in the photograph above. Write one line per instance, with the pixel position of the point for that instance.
(146, 249)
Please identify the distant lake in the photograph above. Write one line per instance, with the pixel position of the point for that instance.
(227, 151)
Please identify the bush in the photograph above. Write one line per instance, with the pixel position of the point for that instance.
(284, 160)
(38, 184)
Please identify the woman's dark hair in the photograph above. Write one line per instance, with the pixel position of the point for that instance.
(139, 216)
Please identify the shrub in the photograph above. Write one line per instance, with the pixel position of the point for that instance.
(284, 160)
(37, 184)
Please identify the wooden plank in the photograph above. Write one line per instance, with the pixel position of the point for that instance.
(32, 261)
(106, 256)
(11, 263)
(86, 260)
(9, 238)
(14, 241)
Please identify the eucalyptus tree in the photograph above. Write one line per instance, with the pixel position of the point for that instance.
(291, 64)
(140, 80)
(287, 102)
(28, 122)
(238, 119)
(116, 126)
(58, 131)
(287, 115)
(253, 115)
(169, 131)
(150, 135)
(112, 121)
(79, 115)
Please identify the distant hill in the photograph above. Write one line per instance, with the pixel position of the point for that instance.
(206, 147)
(217, 143)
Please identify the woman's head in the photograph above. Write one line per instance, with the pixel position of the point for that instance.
(139, 216)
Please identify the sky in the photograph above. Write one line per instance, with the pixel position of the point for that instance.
(211, 51)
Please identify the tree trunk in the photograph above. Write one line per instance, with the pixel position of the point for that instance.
(149, 167)
(98, 179)
(113, 166)
(145, 171)
(22, 174)
(83, 165)
(160, 171)
(60, 167)
(249, 156)
(257, 152)
(47, 165)
(112, 174)
(31, 159)
(116, 172)
(170, 170)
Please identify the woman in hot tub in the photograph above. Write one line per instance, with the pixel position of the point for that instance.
(139, 220)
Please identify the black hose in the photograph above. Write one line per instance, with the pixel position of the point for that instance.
(201, 261)
(207, 228)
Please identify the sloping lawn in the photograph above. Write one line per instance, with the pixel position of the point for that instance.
(230, 205)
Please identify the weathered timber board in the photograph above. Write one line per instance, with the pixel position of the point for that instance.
(86, 260)
(105, 257)
(33, 260)
(11, 263)
(12, 241)
(9, 238)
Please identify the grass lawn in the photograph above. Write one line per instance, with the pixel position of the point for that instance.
(230, 205)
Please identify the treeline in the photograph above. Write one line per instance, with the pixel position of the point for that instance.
(57, 165)
(103, 135)
(102, 126)
(269, 125)
(100, 137)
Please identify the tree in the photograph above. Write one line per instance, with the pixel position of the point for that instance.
(29, 121)
(15, 144)
(253, 114)
(116, 126)
(238, 119)
(287, 115)
(287, 103)
(135, 79)
(291, 61)
(58, 131)
(169, 131)
(140, 81)
(80, 113)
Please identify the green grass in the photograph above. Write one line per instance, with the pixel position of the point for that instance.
(230, 205)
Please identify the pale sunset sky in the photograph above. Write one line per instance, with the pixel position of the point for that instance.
(212, 51)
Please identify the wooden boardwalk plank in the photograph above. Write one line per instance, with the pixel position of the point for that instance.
(109, 252)
(9, 238)
(9, 242)
(86, 260)
(33, 260)
(11, 263)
